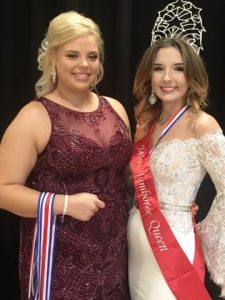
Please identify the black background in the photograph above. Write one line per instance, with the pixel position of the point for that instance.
(126, 26)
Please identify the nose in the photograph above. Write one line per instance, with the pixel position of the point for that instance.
(167, 75)
(83, 62)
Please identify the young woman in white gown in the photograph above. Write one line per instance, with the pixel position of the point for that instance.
(174, 77)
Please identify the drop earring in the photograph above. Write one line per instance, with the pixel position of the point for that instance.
(152, 98)
(188, 101)
(53, 74)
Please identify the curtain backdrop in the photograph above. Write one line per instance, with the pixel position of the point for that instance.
(126, 26)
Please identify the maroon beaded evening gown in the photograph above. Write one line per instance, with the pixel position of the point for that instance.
(87, 152)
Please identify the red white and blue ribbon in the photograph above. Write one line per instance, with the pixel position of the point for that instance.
(42, 249)
(172, 121)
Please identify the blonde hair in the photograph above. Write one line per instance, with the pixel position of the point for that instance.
(195, 73)
(63, 29)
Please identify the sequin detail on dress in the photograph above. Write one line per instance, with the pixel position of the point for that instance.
(87, 152)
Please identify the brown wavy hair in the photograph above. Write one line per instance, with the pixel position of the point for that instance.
(195, 73)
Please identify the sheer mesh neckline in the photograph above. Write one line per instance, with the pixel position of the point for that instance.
(63, 107)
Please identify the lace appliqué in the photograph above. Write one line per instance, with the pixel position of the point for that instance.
(211, 151)
(178, 175)
(91, 119)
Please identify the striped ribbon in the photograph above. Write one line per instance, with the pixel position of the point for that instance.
(172, 121)
(42, 249)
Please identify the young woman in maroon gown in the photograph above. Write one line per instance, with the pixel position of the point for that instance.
(69, 140)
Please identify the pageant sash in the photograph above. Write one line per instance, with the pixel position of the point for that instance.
(184, 280)
(42, 249)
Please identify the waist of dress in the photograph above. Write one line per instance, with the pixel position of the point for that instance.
(171, 207)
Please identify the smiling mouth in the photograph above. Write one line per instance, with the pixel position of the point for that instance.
(81, 76)
(168, 89)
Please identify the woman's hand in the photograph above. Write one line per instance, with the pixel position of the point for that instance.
(83, 206)
(194, 209)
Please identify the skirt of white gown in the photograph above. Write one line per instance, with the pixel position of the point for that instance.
(145, 278)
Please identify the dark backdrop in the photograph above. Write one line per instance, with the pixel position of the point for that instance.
(126, 27)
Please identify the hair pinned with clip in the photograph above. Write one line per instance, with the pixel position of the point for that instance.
(181, 19)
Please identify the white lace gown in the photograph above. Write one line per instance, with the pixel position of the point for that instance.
(178, 168)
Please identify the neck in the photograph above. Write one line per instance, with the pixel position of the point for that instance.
(77, 100)
(168, 112)
(84, 102)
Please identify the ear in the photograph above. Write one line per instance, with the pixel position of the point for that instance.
(51, 55)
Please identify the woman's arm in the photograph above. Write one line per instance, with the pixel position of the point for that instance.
(211, 152)
(24, 139)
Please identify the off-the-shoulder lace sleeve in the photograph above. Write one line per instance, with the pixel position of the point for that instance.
(211, 150)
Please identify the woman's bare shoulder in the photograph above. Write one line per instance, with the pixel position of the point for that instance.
(204, 123)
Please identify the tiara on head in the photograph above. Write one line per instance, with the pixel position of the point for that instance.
(181, 19)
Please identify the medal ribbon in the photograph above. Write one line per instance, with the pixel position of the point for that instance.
(172, 121)
(42, 249)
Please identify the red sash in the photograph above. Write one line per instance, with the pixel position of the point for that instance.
(184, 279)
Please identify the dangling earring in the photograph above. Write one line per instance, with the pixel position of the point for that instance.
(53, 74)
(152, 98)
(188, 101)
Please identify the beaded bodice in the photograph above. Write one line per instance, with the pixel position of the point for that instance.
(86, 151)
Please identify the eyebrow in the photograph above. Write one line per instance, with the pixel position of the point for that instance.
(176, 64)
(76, 51)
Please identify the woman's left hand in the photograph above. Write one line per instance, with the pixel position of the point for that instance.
(194, 209)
